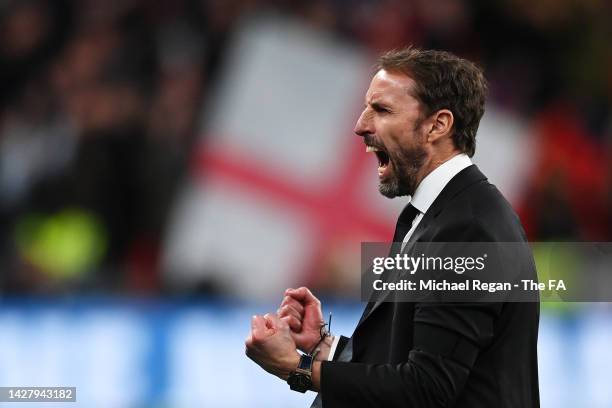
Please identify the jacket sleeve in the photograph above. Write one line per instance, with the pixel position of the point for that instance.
(448, 338)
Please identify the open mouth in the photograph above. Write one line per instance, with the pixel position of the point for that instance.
(383, 159)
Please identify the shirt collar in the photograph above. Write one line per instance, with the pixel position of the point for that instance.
(433, 184)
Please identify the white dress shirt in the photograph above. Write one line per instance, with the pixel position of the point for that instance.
(432, 185)
(426, 193)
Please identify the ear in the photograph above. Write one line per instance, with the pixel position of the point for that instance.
(441, 125)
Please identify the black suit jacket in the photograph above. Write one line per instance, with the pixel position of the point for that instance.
(425, 355)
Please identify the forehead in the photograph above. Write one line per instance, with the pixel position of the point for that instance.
(390, 86)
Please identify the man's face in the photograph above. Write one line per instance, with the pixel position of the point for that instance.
(391, 126)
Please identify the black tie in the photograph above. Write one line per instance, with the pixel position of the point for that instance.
(404, 222)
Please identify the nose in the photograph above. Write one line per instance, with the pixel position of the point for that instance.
(364, 124)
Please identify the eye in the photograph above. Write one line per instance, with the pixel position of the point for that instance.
(380, 109)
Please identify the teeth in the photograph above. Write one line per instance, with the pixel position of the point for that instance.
(370, 149)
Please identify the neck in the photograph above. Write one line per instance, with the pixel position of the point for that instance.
(434, 163)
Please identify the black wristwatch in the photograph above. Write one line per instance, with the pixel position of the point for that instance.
(301, 379)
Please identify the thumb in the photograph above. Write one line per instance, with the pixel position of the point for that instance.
(302, 295)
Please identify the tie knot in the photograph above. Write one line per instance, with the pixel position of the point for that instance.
(404, 222)
(408, 214)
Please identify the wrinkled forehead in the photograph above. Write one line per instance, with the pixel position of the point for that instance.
(390, 86)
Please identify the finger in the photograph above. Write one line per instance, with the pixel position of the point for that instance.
(294, 324)
(274, 322)
(303, 294)
(289, 301)
(288, 310)
(257, 322)
(270, 323)
(284, 313)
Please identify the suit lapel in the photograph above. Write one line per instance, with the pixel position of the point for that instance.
(461, 181)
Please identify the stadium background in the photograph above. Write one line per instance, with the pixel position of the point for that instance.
(167, 168)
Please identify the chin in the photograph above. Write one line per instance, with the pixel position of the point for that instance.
(396, 188)
(390, 189)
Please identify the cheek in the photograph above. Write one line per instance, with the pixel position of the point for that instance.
(404, 142)
(401, 135)
(391, 128)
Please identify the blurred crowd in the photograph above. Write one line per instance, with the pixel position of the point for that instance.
(102, 102)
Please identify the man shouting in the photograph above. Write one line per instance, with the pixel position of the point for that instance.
(420, 119)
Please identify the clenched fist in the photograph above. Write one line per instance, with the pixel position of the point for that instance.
(301, 310)
(270, 345)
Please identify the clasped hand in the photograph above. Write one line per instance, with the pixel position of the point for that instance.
(274, 338)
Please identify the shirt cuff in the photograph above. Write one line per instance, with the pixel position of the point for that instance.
(332, 349)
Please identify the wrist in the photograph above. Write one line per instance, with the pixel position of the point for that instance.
(325, 348)
(289, 366)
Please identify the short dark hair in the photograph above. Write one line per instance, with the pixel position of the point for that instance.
(444, 81)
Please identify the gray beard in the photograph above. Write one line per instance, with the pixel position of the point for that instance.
(406, 166)
(392, 189)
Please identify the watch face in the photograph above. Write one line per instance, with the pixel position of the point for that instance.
(299, 382)
(305, 362)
